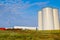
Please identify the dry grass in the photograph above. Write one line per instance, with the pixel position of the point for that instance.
(30, 35)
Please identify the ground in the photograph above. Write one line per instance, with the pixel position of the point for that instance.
(29, 35)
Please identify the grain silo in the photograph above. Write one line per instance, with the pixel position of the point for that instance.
(56, 19)
(48, 18)
(40, 20)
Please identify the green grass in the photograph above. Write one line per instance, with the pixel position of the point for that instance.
(30, 35)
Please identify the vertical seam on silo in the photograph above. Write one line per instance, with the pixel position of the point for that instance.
(42, 20)
(53, 19)
(58, 19)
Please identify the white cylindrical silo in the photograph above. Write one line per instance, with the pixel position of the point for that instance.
(47, 19)
(40, 20)
(56, 19)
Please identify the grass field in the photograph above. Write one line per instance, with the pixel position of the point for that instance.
(30, 35)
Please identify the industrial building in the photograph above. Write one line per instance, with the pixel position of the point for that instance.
(24, 27)
(48, 19)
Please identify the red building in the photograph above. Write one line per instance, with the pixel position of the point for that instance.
(2, 28)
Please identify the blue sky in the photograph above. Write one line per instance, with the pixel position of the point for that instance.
(23, 12)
